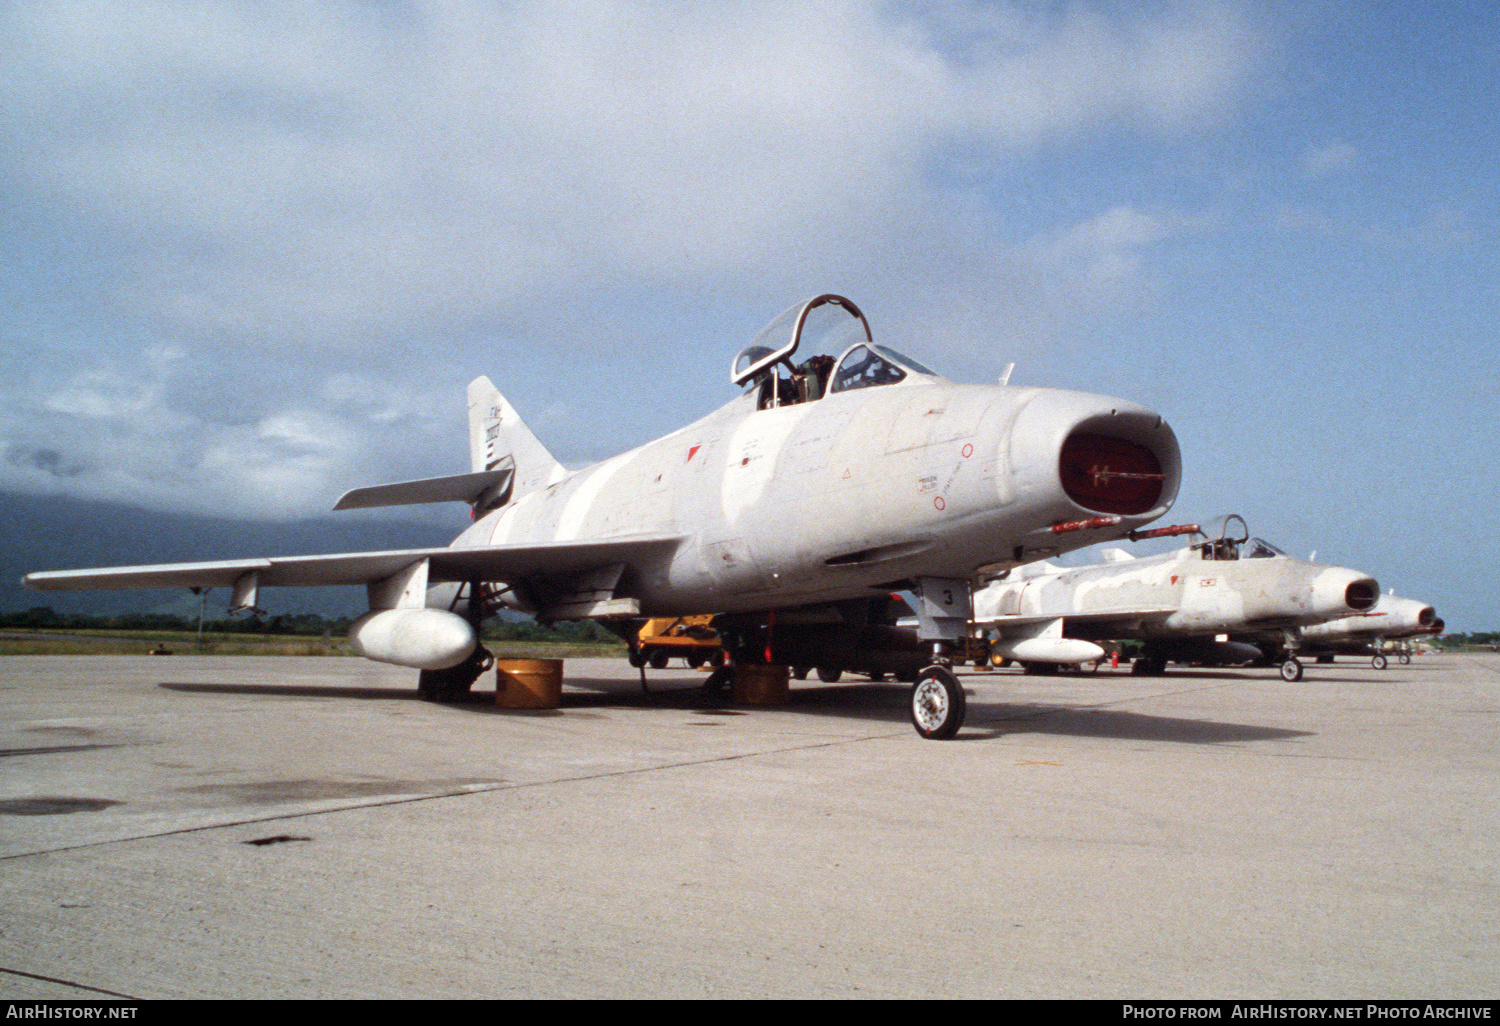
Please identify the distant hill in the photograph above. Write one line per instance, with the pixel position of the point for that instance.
(52, 533)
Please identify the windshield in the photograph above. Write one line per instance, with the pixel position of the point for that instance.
(1259, 548)
(866, 366)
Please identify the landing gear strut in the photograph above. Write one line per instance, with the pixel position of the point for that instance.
(473, 601)
(453, 684)
(944, 608)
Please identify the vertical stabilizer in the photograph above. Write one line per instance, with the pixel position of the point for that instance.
(498, 439)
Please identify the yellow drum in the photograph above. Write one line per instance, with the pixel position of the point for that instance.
(528, 683)
(760, 685)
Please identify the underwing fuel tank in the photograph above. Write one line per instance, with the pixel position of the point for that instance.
(1065, 651)
(426, 639)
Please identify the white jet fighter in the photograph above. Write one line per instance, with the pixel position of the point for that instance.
(823, 487)
(1177, 603)
(1393, 618)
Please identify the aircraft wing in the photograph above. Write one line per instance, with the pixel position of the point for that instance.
(487, 562)
(1107, 626)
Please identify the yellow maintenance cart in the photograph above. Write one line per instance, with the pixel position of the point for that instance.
(690, 637)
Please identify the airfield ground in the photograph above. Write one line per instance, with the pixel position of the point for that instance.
(214, 827)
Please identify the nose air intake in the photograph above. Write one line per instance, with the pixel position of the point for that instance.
(1109, 474)
(1362, 595)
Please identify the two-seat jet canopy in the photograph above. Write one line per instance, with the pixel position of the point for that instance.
(826, 323)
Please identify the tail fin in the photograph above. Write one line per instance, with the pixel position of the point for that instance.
(498, 438)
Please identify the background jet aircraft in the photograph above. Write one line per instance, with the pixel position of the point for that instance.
(1391, 619)
(1176, 603)
(823, 487)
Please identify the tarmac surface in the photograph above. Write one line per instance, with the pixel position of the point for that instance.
(243, 827)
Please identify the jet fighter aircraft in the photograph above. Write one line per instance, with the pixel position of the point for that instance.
(1392, 618)
(1176, 603)
(825, 485)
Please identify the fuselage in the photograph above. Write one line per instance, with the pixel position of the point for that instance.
(1180, 594)
(839, 497)
(1392, 618)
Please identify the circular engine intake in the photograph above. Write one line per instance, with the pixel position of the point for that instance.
(1109, 474)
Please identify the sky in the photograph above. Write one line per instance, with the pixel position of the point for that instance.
(254, 252)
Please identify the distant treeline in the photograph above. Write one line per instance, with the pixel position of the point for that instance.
(46, 618)
(1480, 638)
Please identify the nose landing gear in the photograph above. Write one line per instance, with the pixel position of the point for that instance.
(937, 704)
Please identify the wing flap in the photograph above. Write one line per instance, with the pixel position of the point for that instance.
(485, 563)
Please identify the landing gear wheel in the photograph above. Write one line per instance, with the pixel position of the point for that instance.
(453, 684)
(1378, 662)
(717, 682)
(636, 657)
(937, 704)
(829, 674)
(1291, 670)
(1405, 658)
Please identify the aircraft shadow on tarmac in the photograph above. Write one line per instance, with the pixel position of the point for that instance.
(888, 703)
(293, 690)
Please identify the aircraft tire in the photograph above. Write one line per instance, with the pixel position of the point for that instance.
(937, 704)
(1405, 658)
(454, 684)
(718, 682)
(1291, 671)
(829, 674)
(1378, 662)
(636, 658)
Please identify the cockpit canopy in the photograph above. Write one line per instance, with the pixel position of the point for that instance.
(1228, 537)
(828, 323)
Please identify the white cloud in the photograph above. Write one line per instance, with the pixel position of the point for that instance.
(378, 191)
(1325, 160)
(316, 175)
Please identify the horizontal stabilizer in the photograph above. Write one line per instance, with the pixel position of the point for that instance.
(481, 563)
(468, 488)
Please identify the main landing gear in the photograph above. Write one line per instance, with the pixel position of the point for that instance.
(453, 684)
(473, 602)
